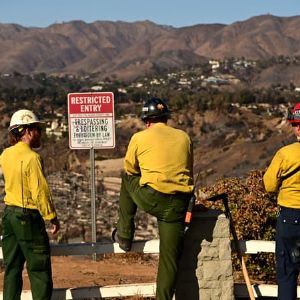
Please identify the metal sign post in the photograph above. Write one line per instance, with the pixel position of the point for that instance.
(93, 198)
(91, 126)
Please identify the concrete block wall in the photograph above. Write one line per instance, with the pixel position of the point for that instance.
(205, 269)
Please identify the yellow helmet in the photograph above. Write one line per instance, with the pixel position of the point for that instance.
(23, 117)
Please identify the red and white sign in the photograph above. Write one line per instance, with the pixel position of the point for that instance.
(91, 120)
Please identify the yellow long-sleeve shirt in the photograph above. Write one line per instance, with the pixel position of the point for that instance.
(25, 183)
(163, 157)
(283, 176)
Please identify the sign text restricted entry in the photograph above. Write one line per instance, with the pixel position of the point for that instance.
(91, 120)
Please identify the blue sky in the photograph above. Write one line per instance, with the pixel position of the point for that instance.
(178, 13)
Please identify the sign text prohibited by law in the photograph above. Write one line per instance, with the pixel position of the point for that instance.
(91, 120)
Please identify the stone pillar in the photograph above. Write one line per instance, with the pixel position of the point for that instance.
(205, 269)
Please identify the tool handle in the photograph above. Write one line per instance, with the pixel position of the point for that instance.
(247, 279)
(189, 212)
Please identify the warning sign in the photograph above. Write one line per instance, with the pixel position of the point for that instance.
(91, 120)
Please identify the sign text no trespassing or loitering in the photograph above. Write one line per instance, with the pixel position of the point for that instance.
(91, 120)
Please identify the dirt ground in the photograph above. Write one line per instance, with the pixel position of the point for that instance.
(71, 272)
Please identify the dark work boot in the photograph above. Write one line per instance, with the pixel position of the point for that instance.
(124, 244)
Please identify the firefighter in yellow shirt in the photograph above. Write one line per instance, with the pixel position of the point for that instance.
(158, 179)
(283, 177)
(27, 204)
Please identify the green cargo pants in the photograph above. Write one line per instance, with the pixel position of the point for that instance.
(170, 212)
(25, 239)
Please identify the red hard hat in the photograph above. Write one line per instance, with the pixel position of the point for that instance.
(294, 115)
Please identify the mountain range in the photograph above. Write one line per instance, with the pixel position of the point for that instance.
(128, 50)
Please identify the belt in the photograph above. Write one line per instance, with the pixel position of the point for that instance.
(284, 208)
(20, 209)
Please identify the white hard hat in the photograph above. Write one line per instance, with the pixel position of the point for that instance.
(23, 117)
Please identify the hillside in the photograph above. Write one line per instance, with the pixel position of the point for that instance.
(127, 50)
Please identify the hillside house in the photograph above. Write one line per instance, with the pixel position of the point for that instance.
(184, 81)
(56, 128)
(215, 65)
(97, 88)
(155, 82)
(122, 90)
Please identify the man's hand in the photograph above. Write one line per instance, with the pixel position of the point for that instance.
(55, 226)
